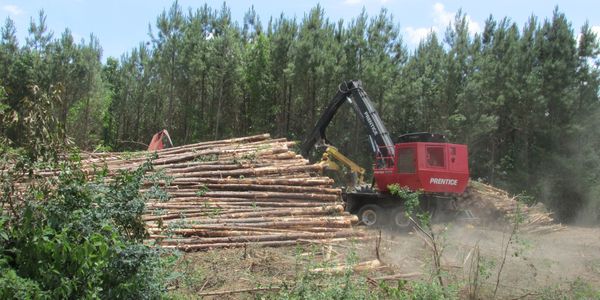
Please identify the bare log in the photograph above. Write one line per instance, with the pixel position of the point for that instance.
(363, 266)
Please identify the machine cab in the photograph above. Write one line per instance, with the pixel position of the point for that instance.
(435, 167)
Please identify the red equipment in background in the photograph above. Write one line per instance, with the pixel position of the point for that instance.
(157, 142)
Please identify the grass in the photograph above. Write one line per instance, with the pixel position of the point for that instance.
(576, 289)
(286, 273)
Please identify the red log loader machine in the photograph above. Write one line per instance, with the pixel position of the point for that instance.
(422, 162)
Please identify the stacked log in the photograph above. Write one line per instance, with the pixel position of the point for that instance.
(495, 206)
(255, 189)
(232, 193)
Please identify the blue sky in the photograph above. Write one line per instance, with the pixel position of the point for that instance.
(122, 24)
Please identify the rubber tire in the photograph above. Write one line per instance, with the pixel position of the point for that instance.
(433, 209)
(400, 221)
(372, 215)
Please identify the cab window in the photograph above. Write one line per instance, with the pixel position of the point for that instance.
(435, 157)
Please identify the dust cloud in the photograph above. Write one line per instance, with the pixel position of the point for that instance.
(534, 262)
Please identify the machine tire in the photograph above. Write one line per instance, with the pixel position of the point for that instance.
(400, 221)
(372, 215)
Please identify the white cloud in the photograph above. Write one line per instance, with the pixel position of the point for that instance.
(441, 18)
(415, 35)
(12, 9)
(474, 27)
(596, 30)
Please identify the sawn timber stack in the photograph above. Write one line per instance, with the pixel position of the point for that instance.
(237, 192)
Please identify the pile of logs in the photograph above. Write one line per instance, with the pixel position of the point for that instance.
(495, 206)
(255, 189)
(230, 193)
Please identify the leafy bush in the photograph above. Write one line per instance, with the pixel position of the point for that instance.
(74, 237)
(312, 285)
(417, 290)
(13, 286)
(412, 203)
(576, 289)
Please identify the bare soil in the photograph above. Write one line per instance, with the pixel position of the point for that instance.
(536, 264)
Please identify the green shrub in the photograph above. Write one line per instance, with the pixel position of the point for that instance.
(74, 237)
(576, 289)
(14, 287)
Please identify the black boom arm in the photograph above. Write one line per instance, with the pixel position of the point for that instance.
(352, 91)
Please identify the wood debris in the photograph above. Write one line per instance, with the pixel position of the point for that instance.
(495, 206)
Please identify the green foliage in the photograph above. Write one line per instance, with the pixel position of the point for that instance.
(14, 287)
(417, 290)
(210, 157)
(260, 107)
(202, 190)
(310, 285)
(72, 237)
(315, 285)
(524, 99)
(576, 289)
(3, 106)
(411, 199)
(157, 180)
(33, 123)
(432, 290)
(337, 287)
(485, 268)
(526, 199)
(412, 204)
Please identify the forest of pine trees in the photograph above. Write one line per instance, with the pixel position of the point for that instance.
(524, 97)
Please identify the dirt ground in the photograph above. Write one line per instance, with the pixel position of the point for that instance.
(536, 264)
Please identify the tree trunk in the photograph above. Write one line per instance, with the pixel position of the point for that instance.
(219, 104)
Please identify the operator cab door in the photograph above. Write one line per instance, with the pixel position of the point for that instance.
(402, 170)
(407, 166)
